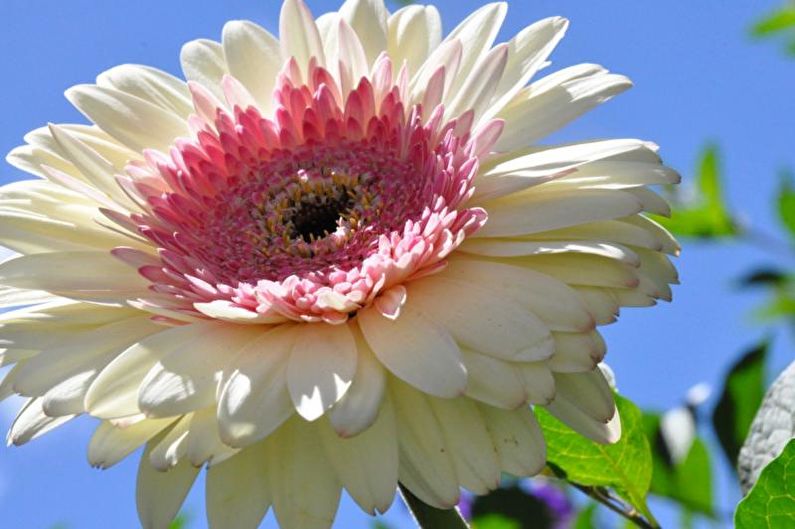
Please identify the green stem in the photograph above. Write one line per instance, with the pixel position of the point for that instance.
(617, 506)
(428, 517)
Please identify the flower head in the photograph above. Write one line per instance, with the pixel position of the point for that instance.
(334, 259)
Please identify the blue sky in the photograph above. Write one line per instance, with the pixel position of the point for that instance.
(697, 78)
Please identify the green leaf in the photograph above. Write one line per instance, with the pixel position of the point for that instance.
(510, 508)
(706, 214)
(689, 481)
(624, 466)
(776, 22)
(743, 391)
(586, 518)
(771, 503)
(786, 203)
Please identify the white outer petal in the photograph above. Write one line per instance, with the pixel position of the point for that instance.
(419, 351)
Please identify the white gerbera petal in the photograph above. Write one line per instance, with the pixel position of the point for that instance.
(203, 62)
(477, 33)
(160, 494)
(368, 18)
(403, 345)
(254, 58)
(298, 33)
(32, 422)
(150, 84)
(238, 490)
(135, 122)
(414, 33)
(63, 274)
(471, 448)
(514, 433)
(481, 320)
(551, 103)
(367, 464)
(254, 400)
(321, 368)
(359, 407)
(425, 466)
(186, 378)
(494, 381)
(528, 52)
(110, 444)
(306, 490)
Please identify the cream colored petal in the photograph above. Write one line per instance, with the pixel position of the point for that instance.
(64, 274)
(204, 441)
(446, 57)
(517, 438)
(623, 231)
(321, 368)
(480, 319)
(601, 303)
(477, 33)
(518, 247)
(493, 381)
(186, 378)
(586, 270)
(115, 391)
(367, 464)
(538, 380)
(227, 311)
(30, 158)
(298, 34)
(254, 400)
(368, 18)
(556, 303)
(306, 490)
(589, 392)
(416, 350)
(530, 168)
(238, 490)
(133, 121)
(425, 464)
(550, 104)
(359, 407)
(203, 61)
(88, 350)
(599, 431)
(471, 448)
(110, 444)
(535, 212)
(96, 170)
(66, 397)
(159, 495)
(478, 88)
(576, 352)
(612, 174)
(150, 84)
(32, 422)
(651, 201)
(254, 58)
(351, 56)
(14, 297)
(170, 449)
(528, 52)
(414, 32)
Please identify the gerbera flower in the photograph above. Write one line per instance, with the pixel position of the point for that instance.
(334, 259)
